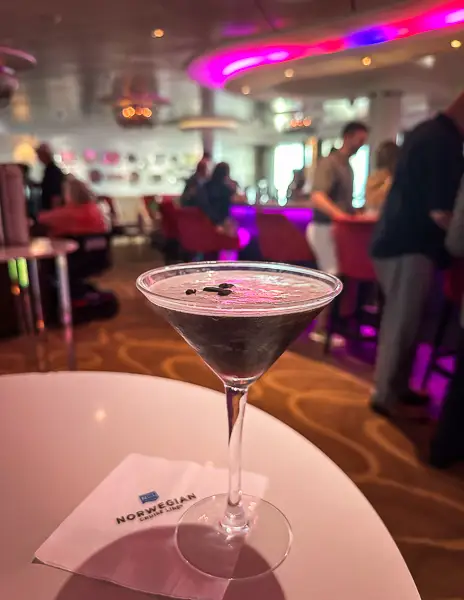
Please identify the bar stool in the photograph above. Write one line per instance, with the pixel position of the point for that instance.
(199, 236)
(280, 241)
(454, 292)
(169, 214)
(170, 245)
(352, 241)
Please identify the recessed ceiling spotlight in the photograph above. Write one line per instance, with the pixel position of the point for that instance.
(246, 90)
(157, 33)
(367, 61)
(455, 44)
(289, 73)
(428, 62)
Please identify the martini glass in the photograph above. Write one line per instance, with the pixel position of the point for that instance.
(239, 317)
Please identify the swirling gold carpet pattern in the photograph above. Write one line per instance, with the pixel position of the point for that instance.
(423, 508)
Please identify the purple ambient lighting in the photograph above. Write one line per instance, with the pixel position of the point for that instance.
(278, 56)
(455, 17)
(241, 65)
(244, 64)
(244, 237)
(368, 37)
(245, 215)
(216, 69)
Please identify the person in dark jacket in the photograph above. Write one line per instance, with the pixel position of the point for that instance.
(448, 444)
(193, 194)
(53, 179)
(409, 244)
(220, 191)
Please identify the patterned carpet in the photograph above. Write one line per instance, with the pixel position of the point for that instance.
(323, 400)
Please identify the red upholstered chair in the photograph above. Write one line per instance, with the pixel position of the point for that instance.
(170, 198)
(355, 268)
(353, 240)
(198, 235)
(169, 214)
(170, 245)
(280, 241)
(453, 287)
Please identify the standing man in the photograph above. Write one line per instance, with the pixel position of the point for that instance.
(332, 197)
(53, 178)
(409, 243)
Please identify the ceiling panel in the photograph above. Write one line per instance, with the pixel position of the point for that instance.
(363, 5)
(296, 13)
(83, 46)
(442, 81)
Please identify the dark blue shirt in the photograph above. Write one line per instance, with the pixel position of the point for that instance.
(219, 200)
(427, 178)
(52, 185)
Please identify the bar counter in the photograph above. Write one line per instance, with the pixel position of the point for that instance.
(245, 214)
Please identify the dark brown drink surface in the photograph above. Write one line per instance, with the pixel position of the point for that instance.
(240, 321)
(240, 347)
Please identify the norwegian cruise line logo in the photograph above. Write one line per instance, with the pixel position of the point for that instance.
(160, 508)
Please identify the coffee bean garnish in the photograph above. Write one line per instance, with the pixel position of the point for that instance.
(219, 290)
(189, 292)
(226, 286)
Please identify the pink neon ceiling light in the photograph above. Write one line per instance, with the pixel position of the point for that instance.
(217, 69)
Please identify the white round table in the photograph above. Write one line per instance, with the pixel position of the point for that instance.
(40, 248)
(62, 433)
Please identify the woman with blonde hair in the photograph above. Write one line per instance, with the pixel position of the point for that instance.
(379, 181)
(80, 214)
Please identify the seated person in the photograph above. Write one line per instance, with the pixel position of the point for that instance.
(220, 192)
(80, 214)
(298, 188)
(193, 194)
(53, 178)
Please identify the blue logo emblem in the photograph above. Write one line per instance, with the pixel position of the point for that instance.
(150, 497)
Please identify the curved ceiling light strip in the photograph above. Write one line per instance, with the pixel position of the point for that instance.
(214, 70)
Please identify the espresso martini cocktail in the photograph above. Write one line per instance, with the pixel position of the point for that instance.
(238, 320)
(239, 317)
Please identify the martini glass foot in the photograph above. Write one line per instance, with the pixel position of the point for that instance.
(210, 547)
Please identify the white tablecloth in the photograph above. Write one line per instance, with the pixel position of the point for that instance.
(61, 434)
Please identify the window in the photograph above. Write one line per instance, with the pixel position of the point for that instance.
(360, 165)
(287, 158)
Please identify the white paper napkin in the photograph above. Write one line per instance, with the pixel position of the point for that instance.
(123, 531)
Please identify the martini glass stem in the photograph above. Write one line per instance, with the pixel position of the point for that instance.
(234, 520)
